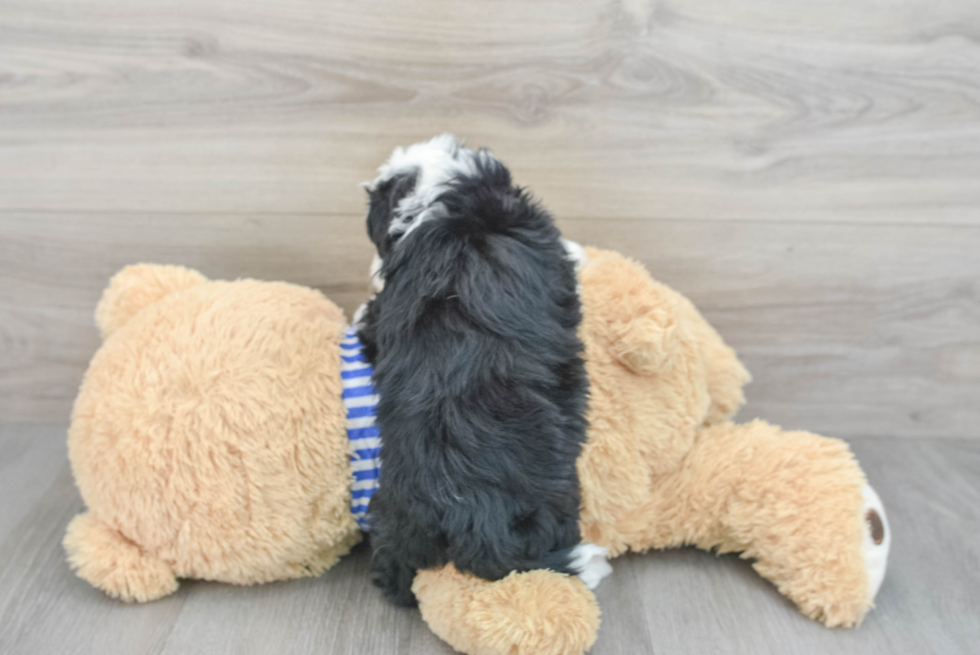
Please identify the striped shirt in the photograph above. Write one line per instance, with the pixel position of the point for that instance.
(361, 403)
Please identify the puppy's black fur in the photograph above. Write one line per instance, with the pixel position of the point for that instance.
(482, 386)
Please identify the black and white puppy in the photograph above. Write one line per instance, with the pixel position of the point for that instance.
(479, 371)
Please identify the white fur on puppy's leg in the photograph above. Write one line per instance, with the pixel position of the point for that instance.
(589, 561)
(877, 539)
(576, 253)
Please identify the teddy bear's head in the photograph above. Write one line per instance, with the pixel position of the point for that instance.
(209, 429)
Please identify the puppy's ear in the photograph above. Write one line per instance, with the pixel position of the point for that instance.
(385, 196)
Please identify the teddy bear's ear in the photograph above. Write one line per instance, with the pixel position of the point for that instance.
(136, 287)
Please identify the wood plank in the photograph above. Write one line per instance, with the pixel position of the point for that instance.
(42, 603)
(662, 602)
(848, 329)
(31, 459)
(679, 109)
(53, 269)
(339, 613)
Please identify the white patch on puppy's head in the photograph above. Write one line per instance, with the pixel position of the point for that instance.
(434, 163)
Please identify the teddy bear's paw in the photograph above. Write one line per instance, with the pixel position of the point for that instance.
(106, 560)
(535, 613)
(532, 613)
(877, 539)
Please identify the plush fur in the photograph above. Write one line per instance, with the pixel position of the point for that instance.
(199, 457)
(479, 370)
(207, 435)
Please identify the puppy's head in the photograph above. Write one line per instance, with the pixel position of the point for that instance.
(411, 184)
(408, 187)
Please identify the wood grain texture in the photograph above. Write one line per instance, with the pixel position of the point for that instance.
(807, 172)
(681, 601)
(673, 109)
(849, 329)
(54, 267)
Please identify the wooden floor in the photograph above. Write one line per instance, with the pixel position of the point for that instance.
(685, 601)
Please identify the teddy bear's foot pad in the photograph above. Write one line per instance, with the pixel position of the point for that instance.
(877, 539)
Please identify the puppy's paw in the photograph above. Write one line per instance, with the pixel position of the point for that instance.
(395, 580)
(589, 563)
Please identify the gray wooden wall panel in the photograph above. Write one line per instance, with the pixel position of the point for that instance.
(806, 172)
(849, 329)
(673, 109)
(53, 269)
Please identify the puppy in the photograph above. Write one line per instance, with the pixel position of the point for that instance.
(479, 372)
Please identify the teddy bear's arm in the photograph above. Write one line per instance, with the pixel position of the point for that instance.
(725, 374)
(531, 613)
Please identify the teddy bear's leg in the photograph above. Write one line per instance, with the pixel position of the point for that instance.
(795, 502)
(532, 613)
(108, 561)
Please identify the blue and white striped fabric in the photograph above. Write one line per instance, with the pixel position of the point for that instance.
(361, 403)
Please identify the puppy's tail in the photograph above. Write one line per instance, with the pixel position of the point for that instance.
(587, 561)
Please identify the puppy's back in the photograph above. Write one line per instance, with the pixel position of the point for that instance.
(482, 386)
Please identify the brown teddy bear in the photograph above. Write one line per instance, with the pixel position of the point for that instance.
(209, 441)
